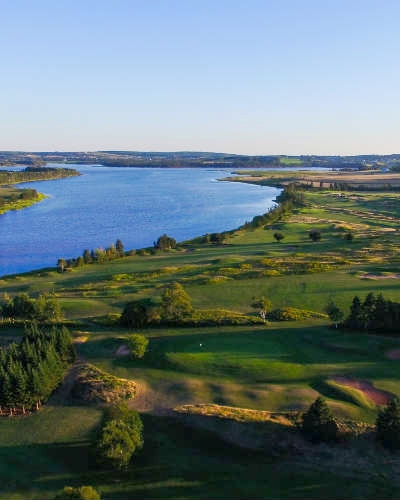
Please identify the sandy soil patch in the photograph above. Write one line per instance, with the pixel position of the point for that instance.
(122, 351)
(80, 340)
(393, 354)
(376, 395)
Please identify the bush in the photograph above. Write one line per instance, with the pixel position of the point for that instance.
(80, 493)
(138, 345)
(388, 425)
(120, 437)
(293, 314)
(314, 235)
(318, 423)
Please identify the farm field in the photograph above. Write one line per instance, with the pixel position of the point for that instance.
(278, 367)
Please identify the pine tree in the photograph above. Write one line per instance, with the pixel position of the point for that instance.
(318, 423)
(119, 248)
(388, 425)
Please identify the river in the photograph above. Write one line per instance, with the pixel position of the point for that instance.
(135, 205)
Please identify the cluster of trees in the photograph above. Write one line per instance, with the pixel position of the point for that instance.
(373, 314)
(291, 197)
(45, 308)
(32, 369)
(165, 242)
(120, 436)
(98, 255)
(217, 238)
(176, 305)
(318, 424)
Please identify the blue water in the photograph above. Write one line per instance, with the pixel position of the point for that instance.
(133, 204)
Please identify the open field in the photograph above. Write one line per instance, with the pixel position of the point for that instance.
(370, 179)
(277, 367)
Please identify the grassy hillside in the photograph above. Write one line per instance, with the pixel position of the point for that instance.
(276, 367)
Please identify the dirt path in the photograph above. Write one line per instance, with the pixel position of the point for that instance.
(378, 396)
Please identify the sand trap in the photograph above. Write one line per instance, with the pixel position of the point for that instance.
(377, 396)
(122, 351)
(393, 354)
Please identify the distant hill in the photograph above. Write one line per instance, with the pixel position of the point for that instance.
(197, 159)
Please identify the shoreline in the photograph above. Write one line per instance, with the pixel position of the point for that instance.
(21, 204)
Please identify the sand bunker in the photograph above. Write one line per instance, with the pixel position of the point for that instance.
(122, 351)
(377, 396)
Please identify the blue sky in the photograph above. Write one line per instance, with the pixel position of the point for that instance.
(254, 77)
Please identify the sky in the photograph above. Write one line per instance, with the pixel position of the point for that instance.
(250, 77)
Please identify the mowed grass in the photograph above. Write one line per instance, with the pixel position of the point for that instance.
(275, 368)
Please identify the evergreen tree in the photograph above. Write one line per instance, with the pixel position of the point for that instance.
(119, 248)
(388, 425)
(87, 258)
(318, 423)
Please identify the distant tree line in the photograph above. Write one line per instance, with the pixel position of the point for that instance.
(36, 174)
(114, 251)
(45, 308)
(99, 255)
(291, 197)
(32, 369)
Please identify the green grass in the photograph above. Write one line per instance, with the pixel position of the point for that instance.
(277, 367)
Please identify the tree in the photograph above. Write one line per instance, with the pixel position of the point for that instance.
(115, 446)
(263, 305)
(334, 313)
(349, 236)
(138, 314)
(61, 265)
(278, 236)
(47, 308)
(120, 437)
(388, 425)
(87, 258)
(165, 242)
(176, 303)
(314, 235)
(318, 423)
(119, 248)
(80, 493)
(138, 345)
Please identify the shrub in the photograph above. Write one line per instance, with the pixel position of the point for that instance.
(388, 425)
(80, 493)
(318, 423)
(314, 235)
(138, 345)
(293, 314)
